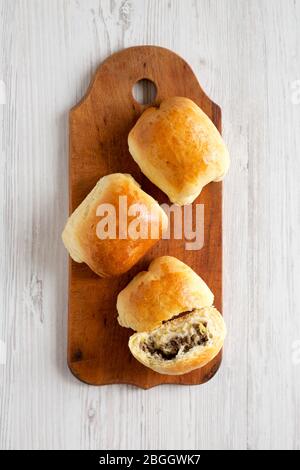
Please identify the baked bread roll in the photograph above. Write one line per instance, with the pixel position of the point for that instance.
(181, 345)
(119, 251)
(171, 308)
(168, 288)
(179, 149)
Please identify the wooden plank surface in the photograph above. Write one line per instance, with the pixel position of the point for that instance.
(98, 352)
(246, 57)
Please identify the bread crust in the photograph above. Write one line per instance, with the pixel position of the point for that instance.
(111, 257)
(168, 288)
(185, 362)
(179, 149)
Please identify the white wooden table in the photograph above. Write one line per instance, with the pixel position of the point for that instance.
(246, 55)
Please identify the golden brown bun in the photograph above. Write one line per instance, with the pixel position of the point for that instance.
(176, 347)
(111, 257)
(179, 149)
(168, 288)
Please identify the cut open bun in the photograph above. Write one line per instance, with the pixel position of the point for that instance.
(182, 344)
(170, 307)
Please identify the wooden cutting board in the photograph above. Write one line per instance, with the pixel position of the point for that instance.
(99, 125)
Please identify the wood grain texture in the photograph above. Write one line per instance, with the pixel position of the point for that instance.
(98, 352)
(246, 57)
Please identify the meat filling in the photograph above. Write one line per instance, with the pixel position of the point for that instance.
(168, 348)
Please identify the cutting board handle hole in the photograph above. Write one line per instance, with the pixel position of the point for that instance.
(144, 91)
